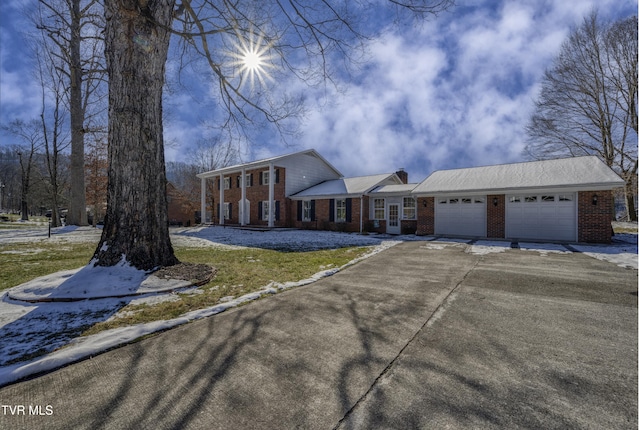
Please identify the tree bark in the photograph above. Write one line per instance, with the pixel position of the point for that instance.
(77, 214)
(136, 223)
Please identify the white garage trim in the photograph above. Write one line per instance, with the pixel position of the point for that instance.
(461, 216)
(545, 216)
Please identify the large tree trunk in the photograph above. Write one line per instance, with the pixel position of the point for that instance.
(77, 214)
(136, 223)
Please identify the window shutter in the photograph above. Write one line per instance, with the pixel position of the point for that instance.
(348, 210)
(218, 211)
(260, 210)
(299, 216)
(230, 211)
(313, 210)
(218, 184)
(260, 178)
(251, 180)
(277, 176)
(332, 210)
(277, 210)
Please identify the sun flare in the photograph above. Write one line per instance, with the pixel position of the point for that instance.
(252, 57)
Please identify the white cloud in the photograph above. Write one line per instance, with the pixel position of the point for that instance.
(457, 92)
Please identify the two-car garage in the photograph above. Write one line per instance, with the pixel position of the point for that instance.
(545, 216)
(565, 200)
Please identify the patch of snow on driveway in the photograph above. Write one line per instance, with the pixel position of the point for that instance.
(623, 250)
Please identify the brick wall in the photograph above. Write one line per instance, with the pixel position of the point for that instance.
(594, 220)
(426, 216)
(496, 216)
(322, 219)
(255, 193)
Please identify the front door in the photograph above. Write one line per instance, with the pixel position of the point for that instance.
(393, 219)
(245, 212)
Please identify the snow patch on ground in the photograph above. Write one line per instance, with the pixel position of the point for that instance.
(544, 248)
(483, 247)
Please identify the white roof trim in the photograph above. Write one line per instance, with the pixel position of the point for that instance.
(393, 190)
(345, 187)
(577, 173)
(264, 163)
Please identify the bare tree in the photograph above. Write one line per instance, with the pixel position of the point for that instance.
(588, 101)
(212, 154)
(72, 30)
(240, 41)
(52, 125)
(96, 167)
(30, 134)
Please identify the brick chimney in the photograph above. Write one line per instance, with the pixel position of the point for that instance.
(404, 176)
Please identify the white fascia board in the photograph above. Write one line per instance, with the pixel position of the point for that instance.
(530, 190)
(263, 164)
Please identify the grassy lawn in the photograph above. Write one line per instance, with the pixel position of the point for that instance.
(238, 272)
(20, 263)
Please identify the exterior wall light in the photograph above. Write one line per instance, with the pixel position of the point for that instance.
(594, 199)
(495, 201)
(424, 203)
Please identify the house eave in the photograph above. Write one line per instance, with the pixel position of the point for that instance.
(515, 190)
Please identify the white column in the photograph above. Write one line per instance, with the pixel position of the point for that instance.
(203, 200)
(272, 208)
(243, 187)
(221, 202)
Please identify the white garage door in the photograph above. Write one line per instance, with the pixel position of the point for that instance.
(461, 216)
(541, 216)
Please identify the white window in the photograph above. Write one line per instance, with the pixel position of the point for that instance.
(265, 177)
(442, 201)
(341, 210)
(227, 210)
(227, 183)
(306, 210)
(514, 199)
(565, 198)
(465, 200)
(247, 180)
(478, 200)
(378, 209)
(409, 208)
(530, 199)
(453, 201)
(548, 198)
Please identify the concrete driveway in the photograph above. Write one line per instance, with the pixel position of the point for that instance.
(423, 335)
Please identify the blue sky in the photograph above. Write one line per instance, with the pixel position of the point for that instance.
(456, 91)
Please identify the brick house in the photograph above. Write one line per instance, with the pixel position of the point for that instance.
(566, 200)
(262, 198)
(348, 204)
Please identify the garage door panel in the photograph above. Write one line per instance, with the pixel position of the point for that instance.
(461, 216)
(544, 217)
